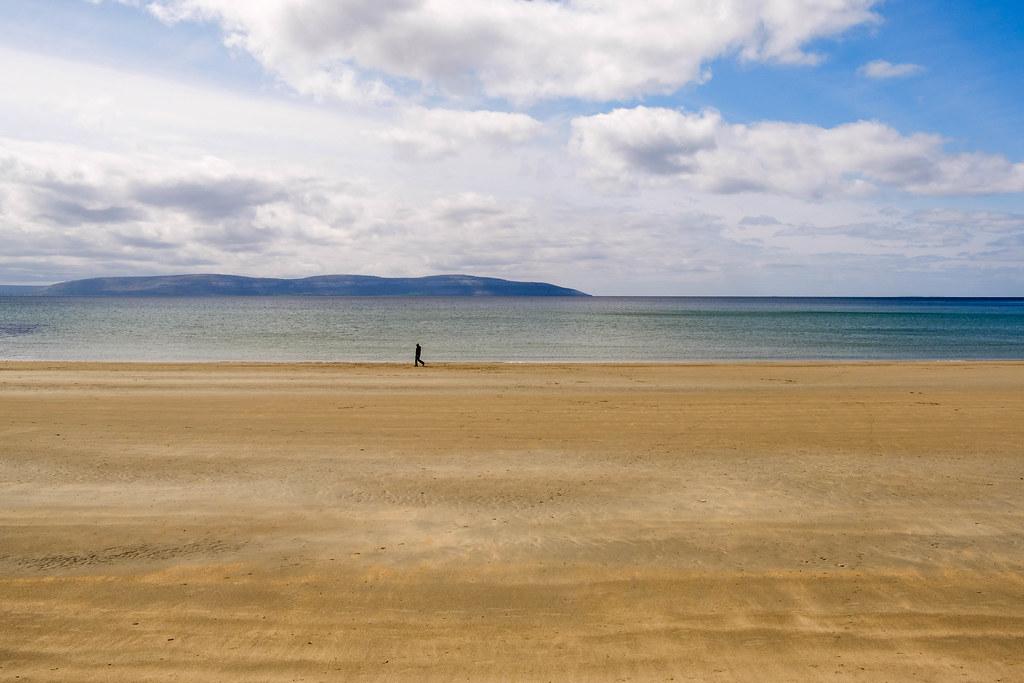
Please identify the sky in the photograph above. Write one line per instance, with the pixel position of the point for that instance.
(662, 147)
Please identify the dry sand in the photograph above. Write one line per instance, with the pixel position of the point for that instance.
(589, 522)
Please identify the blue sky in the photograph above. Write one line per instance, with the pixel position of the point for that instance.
(663, 150)
(970, 90)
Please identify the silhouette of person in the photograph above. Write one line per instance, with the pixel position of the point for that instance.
(419, 361)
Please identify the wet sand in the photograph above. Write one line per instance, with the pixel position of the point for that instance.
(517, 522)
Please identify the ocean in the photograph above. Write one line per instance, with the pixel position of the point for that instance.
(508, 329)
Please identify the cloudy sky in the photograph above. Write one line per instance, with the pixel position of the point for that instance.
(788, 147)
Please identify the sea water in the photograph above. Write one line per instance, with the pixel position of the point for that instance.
(508, 329)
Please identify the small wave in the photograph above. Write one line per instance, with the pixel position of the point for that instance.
(19, 329)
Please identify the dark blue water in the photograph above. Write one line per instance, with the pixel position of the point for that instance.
(513, 329)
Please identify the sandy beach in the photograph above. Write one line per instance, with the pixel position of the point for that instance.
(512, 522)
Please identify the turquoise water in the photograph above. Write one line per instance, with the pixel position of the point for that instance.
(514, 329)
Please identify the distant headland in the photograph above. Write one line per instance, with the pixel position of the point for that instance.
(321, 285)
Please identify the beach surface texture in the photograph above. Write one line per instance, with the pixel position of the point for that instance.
(320, 522)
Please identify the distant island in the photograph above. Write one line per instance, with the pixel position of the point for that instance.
(321, 285)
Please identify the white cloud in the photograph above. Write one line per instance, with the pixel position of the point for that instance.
(430, 134)
(947, 233)
(66, 212)
(881, 69)
(703, 152)
(514, 49)
(145, 175)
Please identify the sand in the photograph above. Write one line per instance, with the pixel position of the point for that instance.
(515, 522)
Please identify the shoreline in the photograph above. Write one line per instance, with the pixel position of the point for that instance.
(456, 365)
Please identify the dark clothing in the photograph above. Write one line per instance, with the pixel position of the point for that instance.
(418, 361)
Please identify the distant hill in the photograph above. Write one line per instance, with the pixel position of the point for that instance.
(322, 285)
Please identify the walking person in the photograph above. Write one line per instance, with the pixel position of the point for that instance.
(419, 361)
